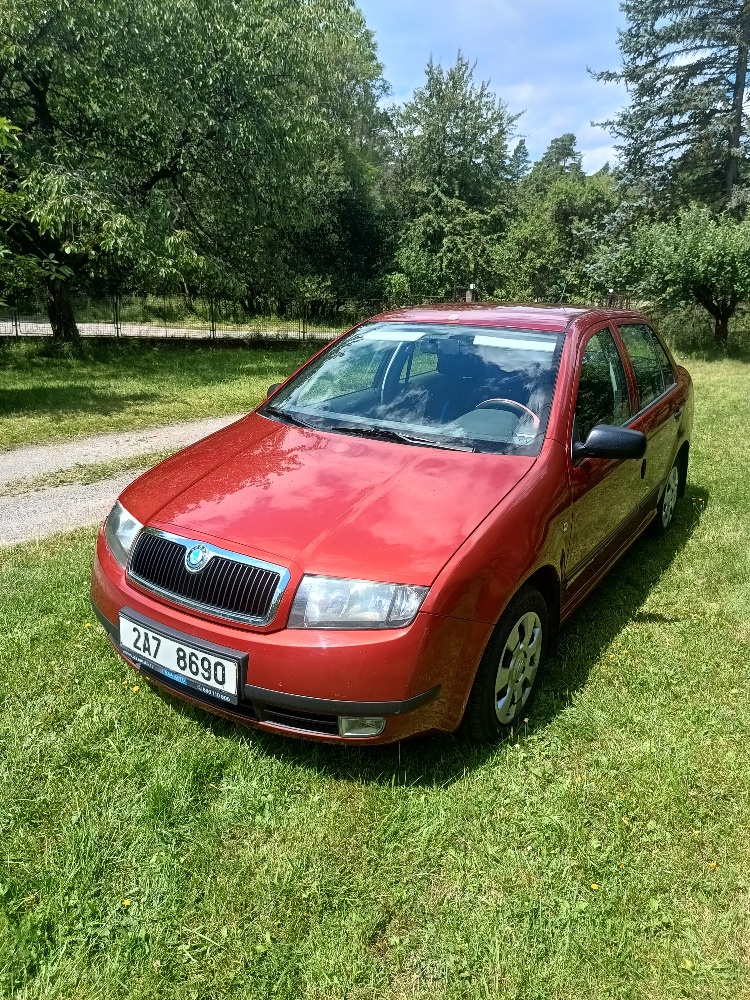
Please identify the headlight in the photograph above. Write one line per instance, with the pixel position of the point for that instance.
(120, 532)
(323, 602)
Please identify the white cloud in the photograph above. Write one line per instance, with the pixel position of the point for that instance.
(594, 159)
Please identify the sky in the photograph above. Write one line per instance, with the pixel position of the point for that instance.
(535, 53)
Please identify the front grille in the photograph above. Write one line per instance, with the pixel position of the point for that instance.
(230, 586)
(308, 722)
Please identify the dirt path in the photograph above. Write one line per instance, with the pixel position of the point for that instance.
(35, 515)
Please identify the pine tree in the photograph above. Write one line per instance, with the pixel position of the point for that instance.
(684, 133)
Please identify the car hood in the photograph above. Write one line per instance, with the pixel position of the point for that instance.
(334, 504)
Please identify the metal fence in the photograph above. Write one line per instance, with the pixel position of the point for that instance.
(183, 318)
(193, 319)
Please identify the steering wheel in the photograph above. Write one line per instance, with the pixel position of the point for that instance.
(510, 404)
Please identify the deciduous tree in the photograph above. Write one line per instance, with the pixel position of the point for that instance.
(162, 136)
(695, 257)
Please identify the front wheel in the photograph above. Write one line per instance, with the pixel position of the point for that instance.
(506, 678)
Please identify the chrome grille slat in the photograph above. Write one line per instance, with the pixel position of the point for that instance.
(230, 585)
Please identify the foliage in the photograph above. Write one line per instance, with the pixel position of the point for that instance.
(695, 257)
(452, 141)
(558, 229)
(451, 181)
(242, 149)
(684, 134)
(179, 141)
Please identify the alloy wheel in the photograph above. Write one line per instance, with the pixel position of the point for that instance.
(518, 667)
(670, 496)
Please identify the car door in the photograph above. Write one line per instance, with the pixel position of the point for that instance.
(657, 409)
(603, 491)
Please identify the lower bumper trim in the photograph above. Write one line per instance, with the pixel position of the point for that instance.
(323, 706)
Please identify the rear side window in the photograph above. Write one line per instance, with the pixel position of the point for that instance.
(666, 364)
(653, 371)
(603, 388)
(420, 361)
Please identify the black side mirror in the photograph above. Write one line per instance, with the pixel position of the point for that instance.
(605, 441)
(272, 389)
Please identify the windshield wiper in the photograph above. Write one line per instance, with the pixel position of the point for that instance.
(379, 433)
(387, 434)
(289, 419)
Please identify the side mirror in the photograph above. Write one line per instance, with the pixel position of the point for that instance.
(272, 389)
(605, 441)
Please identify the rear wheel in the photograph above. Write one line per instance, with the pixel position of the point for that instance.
(506, 678)
(665, 507)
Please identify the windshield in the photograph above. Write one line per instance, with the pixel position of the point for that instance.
(446, 386)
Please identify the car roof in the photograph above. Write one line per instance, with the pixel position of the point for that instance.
(549, 318)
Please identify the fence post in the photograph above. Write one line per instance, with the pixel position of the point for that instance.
(116, 313)
(16, 318)
(212, 318)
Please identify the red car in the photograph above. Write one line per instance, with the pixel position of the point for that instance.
(390, 543)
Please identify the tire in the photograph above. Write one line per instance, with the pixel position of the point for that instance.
(506, 679)
(670, 495)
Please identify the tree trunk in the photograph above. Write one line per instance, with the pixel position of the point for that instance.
(60, 310)
(738, 101)
(722, 311)
(721, 329)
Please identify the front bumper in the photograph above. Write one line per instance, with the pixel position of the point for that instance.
(301, 682)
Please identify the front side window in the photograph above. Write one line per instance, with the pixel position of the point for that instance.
(444, 385)
(653, 371)
(603, 388)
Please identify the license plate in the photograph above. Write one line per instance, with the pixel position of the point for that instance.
(192, 666)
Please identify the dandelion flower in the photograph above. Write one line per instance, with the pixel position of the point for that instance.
(126, 902)
(136, 689)
(88, 624)
(713, 865)
(595, 887)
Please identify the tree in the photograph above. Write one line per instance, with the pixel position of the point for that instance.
(452, 140)
(695, 257)
(451, 181)
(561, 218)
(175, 139)
(685, 130)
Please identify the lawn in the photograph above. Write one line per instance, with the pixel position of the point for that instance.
(150, 850)
(127, 385)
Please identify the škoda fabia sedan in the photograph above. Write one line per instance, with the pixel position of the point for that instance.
(389, 544)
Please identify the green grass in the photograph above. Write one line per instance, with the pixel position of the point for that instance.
(83, 475)
(261, 867)
(111, 386)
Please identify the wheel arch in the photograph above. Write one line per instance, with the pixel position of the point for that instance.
(546, 580)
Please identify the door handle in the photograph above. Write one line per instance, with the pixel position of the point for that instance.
(678, 413)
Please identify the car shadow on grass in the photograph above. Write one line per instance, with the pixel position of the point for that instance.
(440, 759)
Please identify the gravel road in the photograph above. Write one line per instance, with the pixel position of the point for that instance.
(33, 516)
(42, 459)
(41, 328)
(29, 516)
